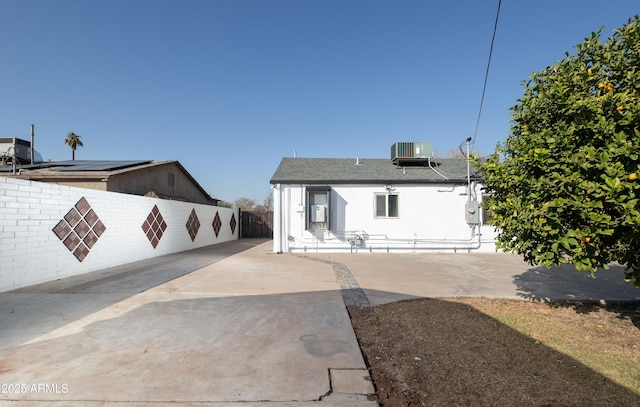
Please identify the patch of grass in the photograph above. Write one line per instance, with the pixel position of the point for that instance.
(604, 337)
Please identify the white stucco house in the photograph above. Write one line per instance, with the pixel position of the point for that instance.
(410, 202)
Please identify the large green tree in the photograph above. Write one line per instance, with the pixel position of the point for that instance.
(564, 185)
(73, 141)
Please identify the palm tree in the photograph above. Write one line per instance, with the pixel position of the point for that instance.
(73, 141)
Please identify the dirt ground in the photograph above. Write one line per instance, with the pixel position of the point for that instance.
(432, 352)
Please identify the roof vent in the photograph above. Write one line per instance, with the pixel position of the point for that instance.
(411, 152)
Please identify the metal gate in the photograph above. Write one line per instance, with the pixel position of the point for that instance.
(257, 224)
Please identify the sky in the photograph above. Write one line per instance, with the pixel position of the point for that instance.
(230, 87)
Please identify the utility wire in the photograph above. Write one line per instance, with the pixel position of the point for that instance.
(486, 76)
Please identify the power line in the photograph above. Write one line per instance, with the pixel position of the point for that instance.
(486, 76)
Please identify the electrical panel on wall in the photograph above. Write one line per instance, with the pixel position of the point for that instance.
(318, 213)
(472, 210)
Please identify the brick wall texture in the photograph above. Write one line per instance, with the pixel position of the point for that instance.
(50, 231)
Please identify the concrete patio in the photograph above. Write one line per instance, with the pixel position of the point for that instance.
(234, 324)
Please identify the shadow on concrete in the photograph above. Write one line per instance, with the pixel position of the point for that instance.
(31, 313)
(564, 282)
(276, 347)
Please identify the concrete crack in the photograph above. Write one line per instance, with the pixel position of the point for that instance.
(328, 393)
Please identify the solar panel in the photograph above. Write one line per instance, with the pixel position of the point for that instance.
(98, 165)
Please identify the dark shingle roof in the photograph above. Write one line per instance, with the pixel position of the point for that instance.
(368, 171)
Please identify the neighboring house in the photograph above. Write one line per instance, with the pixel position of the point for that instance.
(410, 202)
(160, 179)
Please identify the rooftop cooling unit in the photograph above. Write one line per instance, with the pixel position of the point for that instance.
(10, 147)
(411, 151)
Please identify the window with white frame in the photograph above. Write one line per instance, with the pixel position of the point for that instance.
(386, 206)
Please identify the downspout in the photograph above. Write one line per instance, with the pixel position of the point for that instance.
(276, 218)
(277, 209)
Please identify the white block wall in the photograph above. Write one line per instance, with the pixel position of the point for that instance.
(31, 253)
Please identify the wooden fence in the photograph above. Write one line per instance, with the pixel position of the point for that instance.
(256, 224)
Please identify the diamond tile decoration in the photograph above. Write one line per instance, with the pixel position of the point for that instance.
(91, 217)
(62, 229)
(193, 224)
(90, 239)
(99, 228)
(217, 224)
(154, 226)
(233, 223)
(73, 217)
(83, 206)
(72, 241)
(81, 252)
(80, 229)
